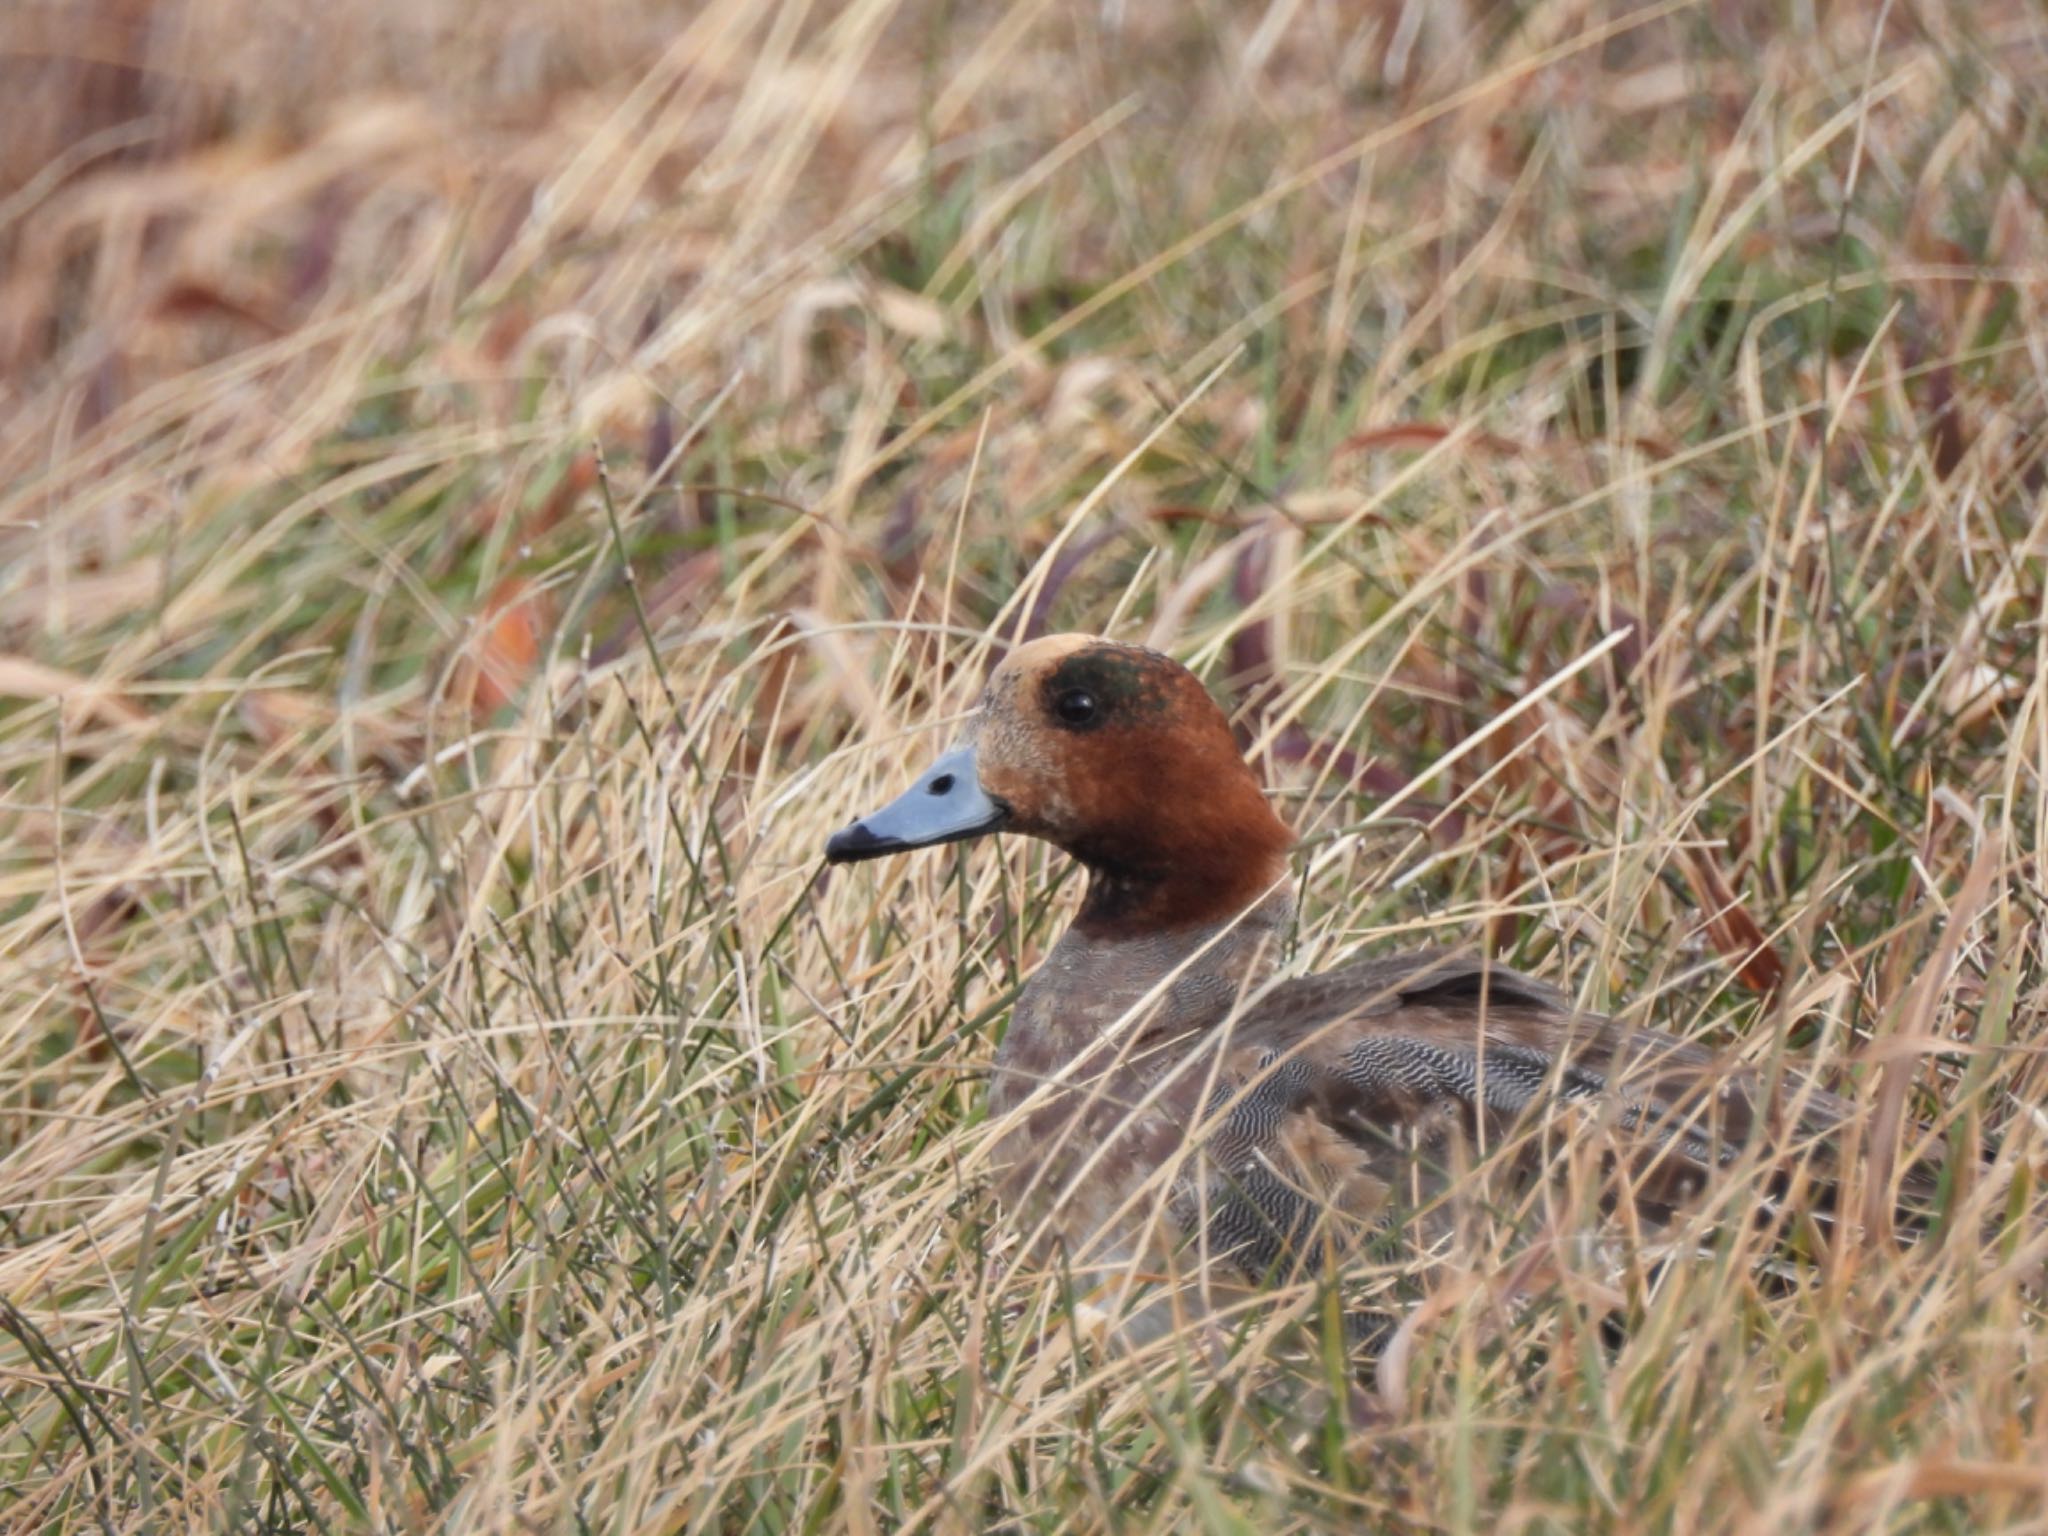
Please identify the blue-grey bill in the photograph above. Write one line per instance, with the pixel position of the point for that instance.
(945, 805)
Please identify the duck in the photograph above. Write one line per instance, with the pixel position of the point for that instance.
(1187, 1123)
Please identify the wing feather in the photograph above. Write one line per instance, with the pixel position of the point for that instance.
(1400, 1056)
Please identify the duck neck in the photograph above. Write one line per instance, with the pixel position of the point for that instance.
(1199, 867)
(1124, 901)
(1172, 945)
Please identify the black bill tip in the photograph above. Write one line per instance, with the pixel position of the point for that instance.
(849, 845)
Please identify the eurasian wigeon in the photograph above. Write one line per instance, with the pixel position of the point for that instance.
(1168, 1094)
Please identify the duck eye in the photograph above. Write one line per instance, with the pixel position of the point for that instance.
(1076, 706)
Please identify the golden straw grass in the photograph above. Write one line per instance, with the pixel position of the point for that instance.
(484, 491)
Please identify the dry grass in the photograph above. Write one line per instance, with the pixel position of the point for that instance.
(440, 1089)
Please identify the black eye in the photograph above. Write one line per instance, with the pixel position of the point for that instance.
(1076, 706)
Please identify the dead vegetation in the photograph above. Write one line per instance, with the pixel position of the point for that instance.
(485, 490)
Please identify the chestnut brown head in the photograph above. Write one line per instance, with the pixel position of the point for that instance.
(1116, 754)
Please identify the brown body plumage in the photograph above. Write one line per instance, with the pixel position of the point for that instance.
(1168, 1100)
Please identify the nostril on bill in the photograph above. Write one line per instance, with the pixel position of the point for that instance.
(943, 784)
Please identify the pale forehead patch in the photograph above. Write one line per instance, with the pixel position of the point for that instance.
(1012, 743)
(1045, 651)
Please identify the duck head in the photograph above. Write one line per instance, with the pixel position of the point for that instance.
(1115, 754)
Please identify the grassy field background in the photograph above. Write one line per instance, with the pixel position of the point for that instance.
(484, 490)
